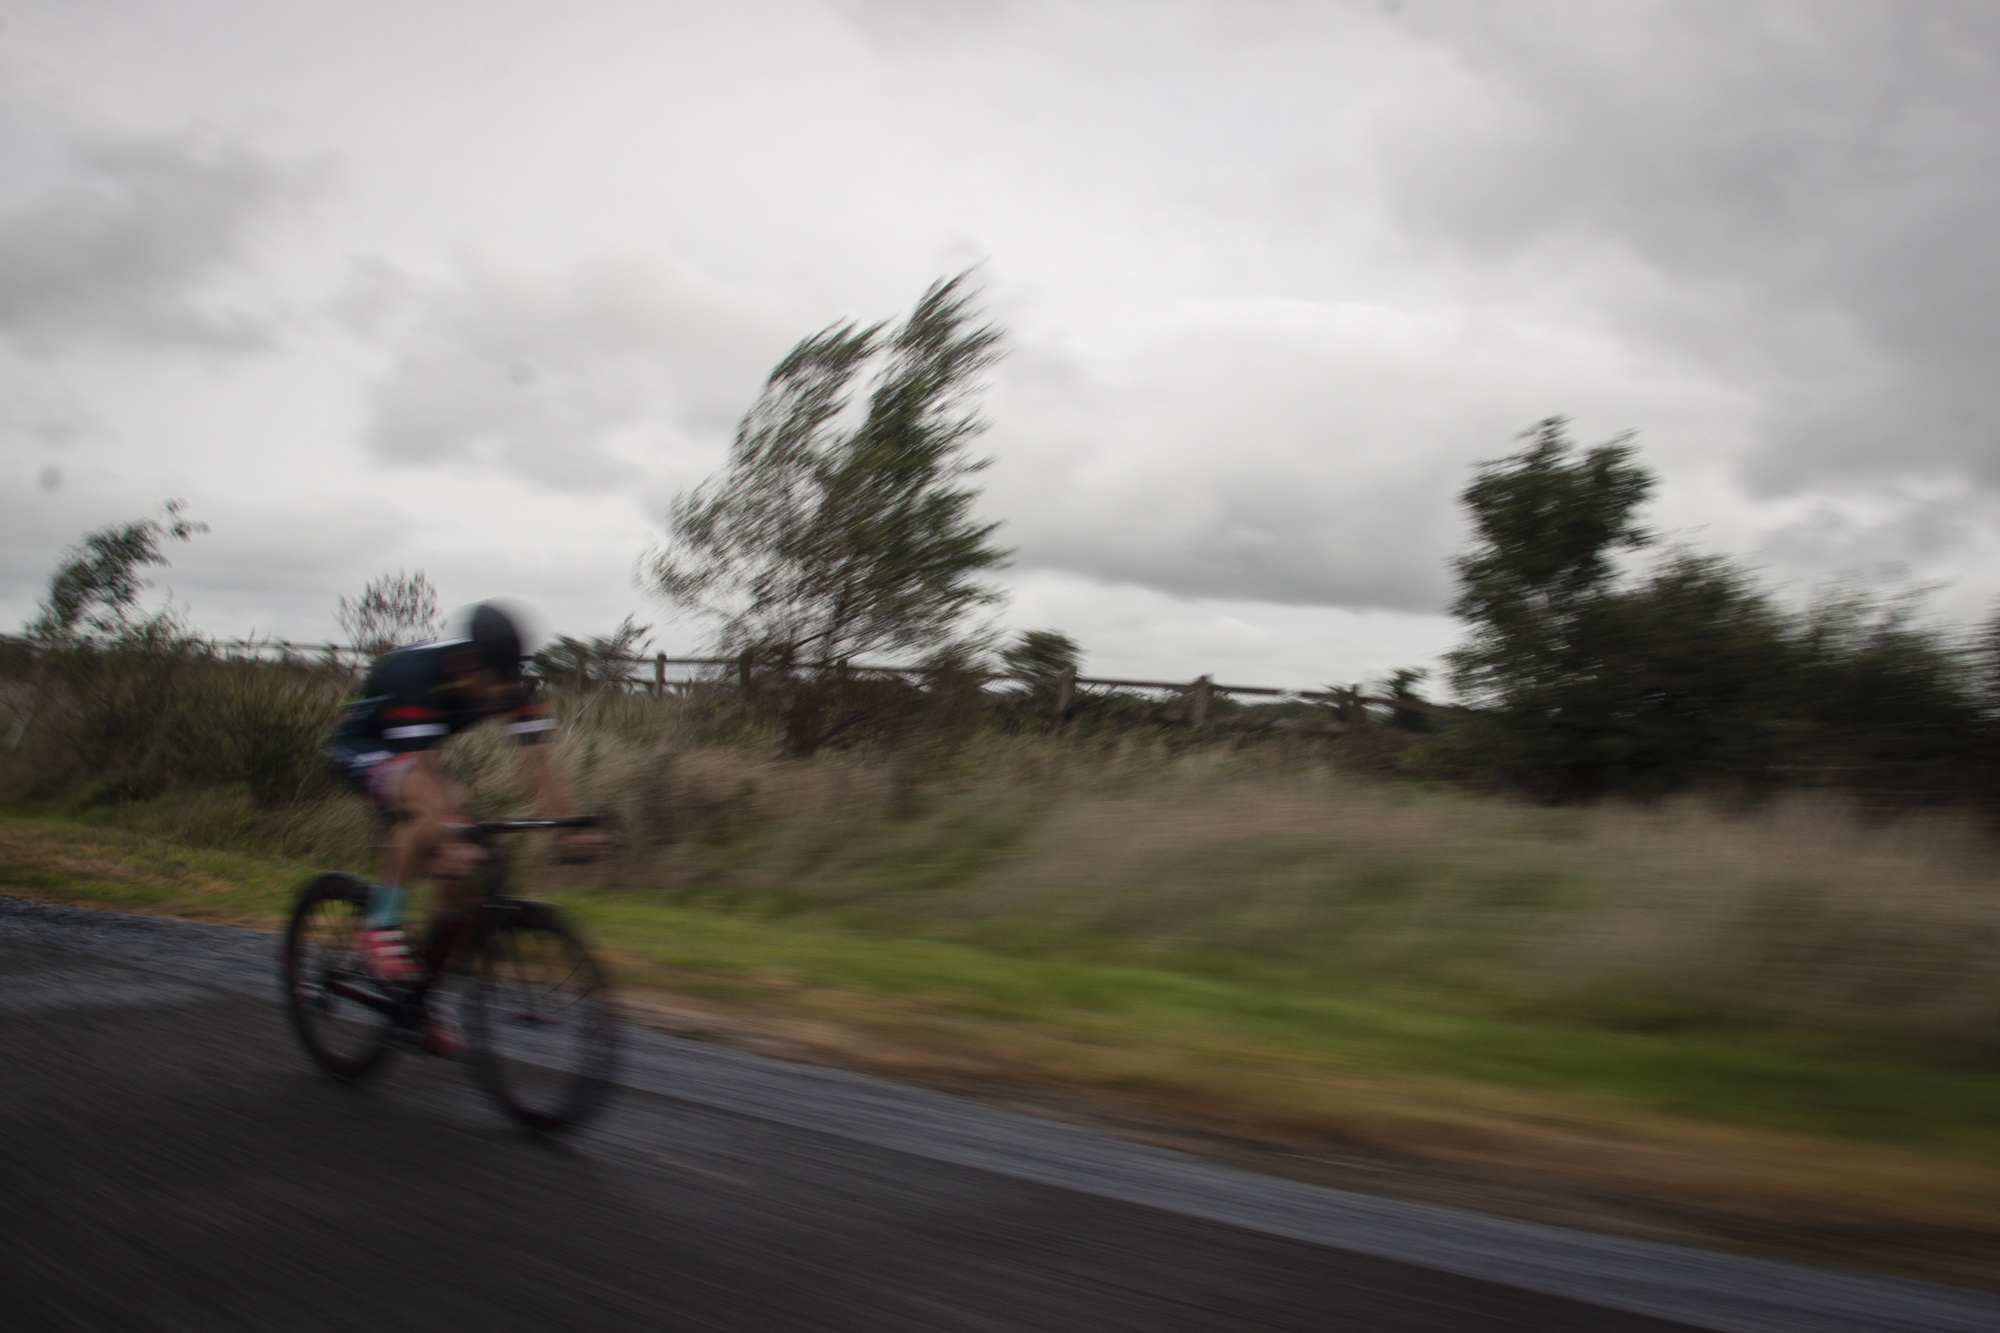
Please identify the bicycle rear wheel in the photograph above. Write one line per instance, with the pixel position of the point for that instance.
(323, 972)
(540, 1017)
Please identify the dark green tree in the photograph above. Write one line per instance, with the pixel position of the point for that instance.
(1689, 674)
(835, 532)
(1686, 677)
(1546, 522)
(1594, 685)
(1894, 705)
(1402, 687)
(1041, 656)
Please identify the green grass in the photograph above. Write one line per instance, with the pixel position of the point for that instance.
(63, 861)
(1766, 1086)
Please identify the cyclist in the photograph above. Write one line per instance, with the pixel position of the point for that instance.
(385, 746)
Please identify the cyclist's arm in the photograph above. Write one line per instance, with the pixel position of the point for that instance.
(547, 782)
(533, 728)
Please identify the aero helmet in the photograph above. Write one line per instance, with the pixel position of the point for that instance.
(496, 640)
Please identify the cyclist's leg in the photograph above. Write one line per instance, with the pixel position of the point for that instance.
(429, 808)
(428, 842)
(377, 773)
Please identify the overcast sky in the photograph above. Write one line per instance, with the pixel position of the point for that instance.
(476, 286)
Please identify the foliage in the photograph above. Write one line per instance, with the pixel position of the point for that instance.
(1402, 687)
(1682, 679)
(155, 709)
(1893, 705)
(1546, 524)
(392, 611)
(1689, 674)
(95, 589)
(596, 660)
(1041, 655)
(828, 536)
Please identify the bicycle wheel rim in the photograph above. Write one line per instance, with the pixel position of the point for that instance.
(344, 1037)
(543, 1028)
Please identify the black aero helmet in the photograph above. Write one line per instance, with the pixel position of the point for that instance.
(496, 640)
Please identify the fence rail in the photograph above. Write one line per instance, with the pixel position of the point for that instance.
(1350, 702)
(1199, 691)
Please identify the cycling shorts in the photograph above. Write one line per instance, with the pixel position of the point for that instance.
(376, 774)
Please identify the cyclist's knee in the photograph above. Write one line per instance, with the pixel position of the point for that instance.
(453, 861)
(426, 794)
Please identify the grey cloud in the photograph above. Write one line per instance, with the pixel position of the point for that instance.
(128, 252)
(1283, 452)
(38, 409)
(1812, 187)
(258, 567)
(1890, 547)
(1264, 539)
(373, 297)
(587, 381)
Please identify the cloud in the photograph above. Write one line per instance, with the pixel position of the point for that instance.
(1290, 452)
(1138, 633)
(1274, 275)
(129, 251)
(593, 379)
(1804, 195)
(274, 567)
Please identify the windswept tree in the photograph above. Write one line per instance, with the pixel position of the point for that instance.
(94, 591)
(841, 528)
(1041, 655)
(600, 659)
(392, 611)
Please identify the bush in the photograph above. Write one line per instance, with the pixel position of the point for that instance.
(156, 708)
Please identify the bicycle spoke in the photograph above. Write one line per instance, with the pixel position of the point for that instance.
(544, 1033)
(325, 981)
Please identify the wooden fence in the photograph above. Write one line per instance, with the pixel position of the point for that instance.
(652, 674)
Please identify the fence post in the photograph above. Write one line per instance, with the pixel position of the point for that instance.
(1065, 692)
(659, 675)
(743, 674)
(1357, 713)
(1198, 710)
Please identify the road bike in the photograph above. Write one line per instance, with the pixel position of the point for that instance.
(539, 1019)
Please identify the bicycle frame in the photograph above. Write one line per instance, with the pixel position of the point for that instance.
(405, 1004)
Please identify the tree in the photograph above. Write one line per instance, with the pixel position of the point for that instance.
(834, 533)
(1897, 704)
(1690, 673)
(1686, 677)
(95, 589)
(596, 660)
(1402, 687)
(392, 611)
(1041, 655)
(1546, 523)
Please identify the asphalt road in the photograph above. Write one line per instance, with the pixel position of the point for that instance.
(169, 1160)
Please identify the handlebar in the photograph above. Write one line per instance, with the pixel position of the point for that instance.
(530, 825)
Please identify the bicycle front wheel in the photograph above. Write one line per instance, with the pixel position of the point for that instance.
(327, 985)
(540, 1016)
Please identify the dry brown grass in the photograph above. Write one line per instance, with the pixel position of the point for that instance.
(1804, 912)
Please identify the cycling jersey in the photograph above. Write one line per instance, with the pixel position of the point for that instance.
(412, 700)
